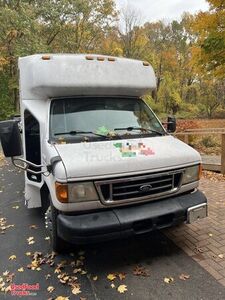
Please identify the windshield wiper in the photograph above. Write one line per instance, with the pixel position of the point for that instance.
(75, 132)
(139, 128)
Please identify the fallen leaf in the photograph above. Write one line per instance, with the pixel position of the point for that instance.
(168, 279)
(184, 276)
(122, 288)
(62, 298)
(76, 289)
(30, 240)
(47, 276)
(16, 207)
(111, 276)
(113, 285)
(6, 273)
(12, 257)
(28, 253)
(20, 269)
(210, 234)
(121, 276)
(95, 278)
(141, 271)
(221, 256)
(50, 289)
(33, 226)
(8, 289)
(47, 238)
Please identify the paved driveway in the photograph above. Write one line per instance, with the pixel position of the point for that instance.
(141, 263)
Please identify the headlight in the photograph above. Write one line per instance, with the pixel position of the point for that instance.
(192, 174)
(82, 191)
(76, 192)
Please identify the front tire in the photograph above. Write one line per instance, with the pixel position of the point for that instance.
(58, 244)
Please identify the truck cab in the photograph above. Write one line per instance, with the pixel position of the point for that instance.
(95, 155)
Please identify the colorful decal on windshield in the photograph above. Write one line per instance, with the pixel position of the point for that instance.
(132, 150)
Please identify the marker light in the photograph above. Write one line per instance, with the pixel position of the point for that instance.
(111, 59)
(146, 64)
(46, 57)
(100, 58)
(89, 57)
(61, 192)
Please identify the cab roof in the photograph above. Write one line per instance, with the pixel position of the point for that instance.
(44, 76)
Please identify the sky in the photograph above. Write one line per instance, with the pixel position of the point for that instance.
(167, 10)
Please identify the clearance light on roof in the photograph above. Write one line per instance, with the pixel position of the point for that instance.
(89, 57)
(146, 64)
(46, 57)
(111, 59)
(100, 58)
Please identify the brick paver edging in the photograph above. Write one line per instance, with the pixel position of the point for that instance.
(204, 240)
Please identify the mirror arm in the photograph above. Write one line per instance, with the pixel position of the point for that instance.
(26, 164)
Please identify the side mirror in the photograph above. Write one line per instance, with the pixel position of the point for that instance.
(10, 138)
(171, 124)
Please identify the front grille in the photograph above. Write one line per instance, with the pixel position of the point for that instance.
(139, 187)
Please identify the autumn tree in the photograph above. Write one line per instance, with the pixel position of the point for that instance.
(209, 30)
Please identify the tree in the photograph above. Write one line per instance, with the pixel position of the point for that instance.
(209, 30)
(29, 27)
(132, 36)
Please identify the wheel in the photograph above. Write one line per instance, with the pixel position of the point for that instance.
(58, 244)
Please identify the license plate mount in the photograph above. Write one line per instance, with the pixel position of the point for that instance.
(197, 212)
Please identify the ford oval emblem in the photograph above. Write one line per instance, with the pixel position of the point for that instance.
(145, 188)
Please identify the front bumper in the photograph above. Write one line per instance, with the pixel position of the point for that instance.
(131, 220)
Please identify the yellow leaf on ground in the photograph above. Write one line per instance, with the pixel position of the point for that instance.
(111, 276)
(20, 269)
(122, 288)
(50, 289)
(221, 256)
(95, 278)
(76, 290)
(12, 257)
(6, 273)
(62, 298)
(168, 279)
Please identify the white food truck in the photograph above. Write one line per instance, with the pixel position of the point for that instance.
(95, 155)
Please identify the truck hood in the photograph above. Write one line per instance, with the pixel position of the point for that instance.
(108, 158)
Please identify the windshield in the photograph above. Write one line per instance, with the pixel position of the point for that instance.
(74, 119)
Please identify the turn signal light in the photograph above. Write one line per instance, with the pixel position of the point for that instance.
(61, 192)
